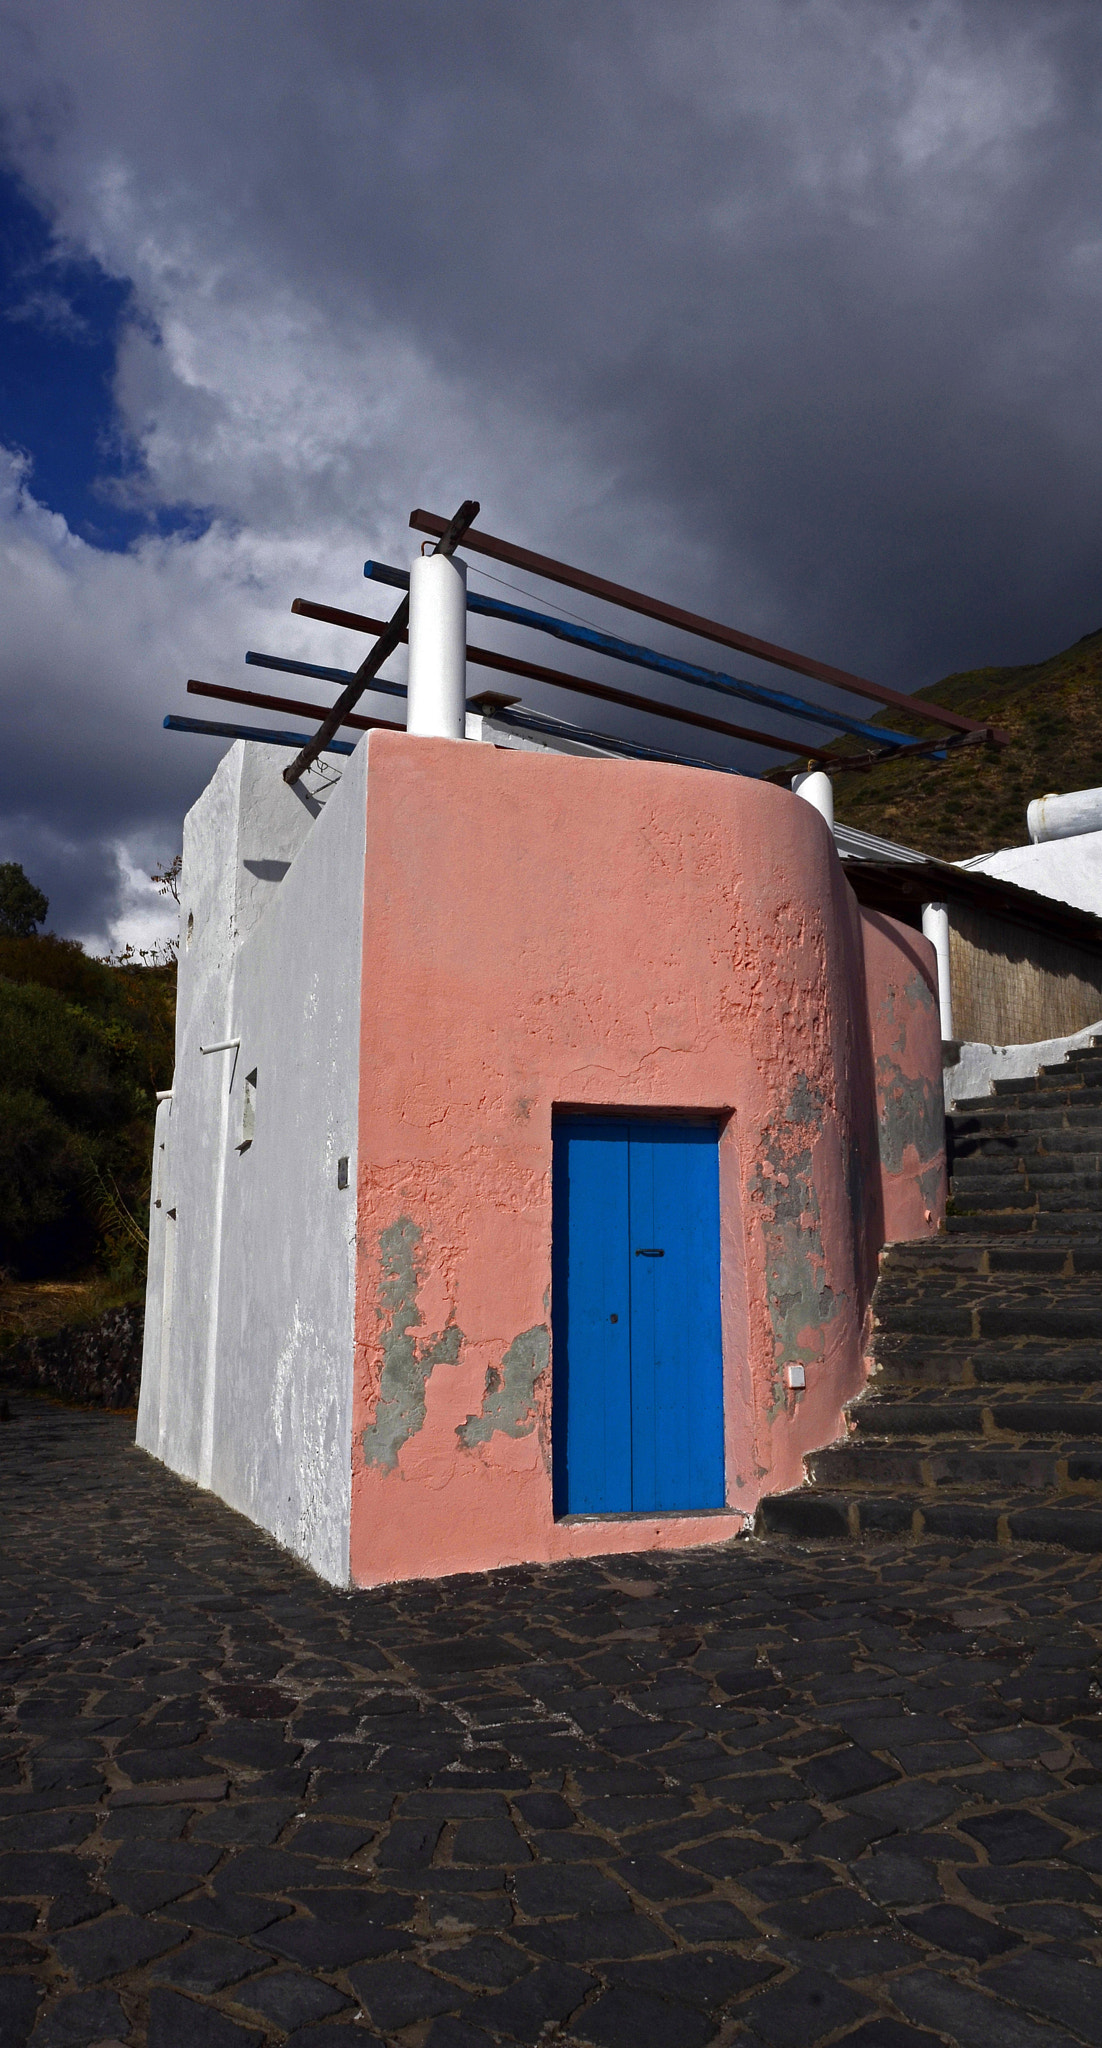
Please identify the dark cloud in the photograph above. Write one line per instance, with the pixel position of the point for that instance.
(788, 310)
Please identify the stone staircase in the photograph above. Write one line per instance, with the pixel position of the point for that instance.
(983, 1415)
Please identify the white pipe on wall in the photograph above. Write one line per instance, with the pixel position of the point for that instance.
(1064, 817)
(817, 790)
(437, 686)
(935, 927)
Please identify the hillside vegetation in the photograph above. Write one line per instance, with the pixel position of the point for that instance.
(84, 1046)
(976, 801)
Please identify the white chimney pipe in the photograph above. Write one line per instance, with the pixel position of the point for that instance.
(935, 927)
(817, 790)
(1064, 817)
(437, 686)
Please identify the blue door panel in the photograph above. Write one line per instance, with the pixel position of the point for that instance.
(637, 1421)
(591, 1426)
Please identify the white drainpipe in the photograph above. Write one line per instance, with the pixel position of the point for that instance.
(935, 927)
(437, 686)
(817, 790)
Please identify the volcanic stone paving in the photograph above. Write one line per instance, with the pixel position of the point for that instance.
(751, 1793)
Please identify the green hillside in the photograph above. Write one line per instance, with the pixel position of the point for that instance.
(84, 1046)
(976, 801)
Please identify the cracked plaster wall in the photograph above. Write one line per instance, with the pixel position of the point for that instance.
(541, 931)
(905, 1031)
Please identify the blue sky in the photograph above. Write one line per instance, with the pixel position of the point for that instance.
(61, 316)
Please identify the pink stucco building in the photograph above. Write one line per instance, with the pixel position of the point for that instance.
(537, 1123)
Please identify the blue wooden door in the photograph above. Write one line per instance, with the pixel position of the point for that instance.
(637, 1410)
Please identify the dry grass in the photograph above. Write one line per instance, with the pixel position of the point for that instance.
(36, 1308)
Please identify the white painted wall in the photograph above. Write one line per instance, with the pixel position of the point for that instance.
(247, 1374)
(1068, 869)
(980, 1066)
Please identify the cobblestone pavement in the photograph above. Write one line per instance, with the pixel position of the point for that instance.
(751, 1794)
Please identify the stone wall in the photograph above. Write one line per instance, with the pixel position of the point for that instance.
(96, 1363)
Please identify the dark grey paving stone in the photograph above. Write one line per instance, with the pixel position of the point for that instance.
(545, 1890)
(395, 1993)
(334, 1841)
(1057, 1989)
(852, 1955)
(844, 1773)
(705, 1980)
(490, 1841)
(207, 1964)
(545, 1810)
(331, 1944)
(291, 1999)
(75, 2021)
(829, 1912)
(1015, 1836)
(730, 1856)
(803, 2009)
(626, 2018)
(886, 2033)
(115, 1943)
(485, 1963)
(176, 2022)
(246, 1823)
(548, 1994)
(596, 1938)
(19, 1997)
(893, 1878)
(709, 1920)
(969, 2018)
(231, 1914)
(963, 1933)
(656, 1878)
(16, 1915)
(468, 1912)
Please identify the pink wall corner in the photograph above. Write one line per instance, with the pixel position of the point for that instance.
(905, 1030)
(544, 931)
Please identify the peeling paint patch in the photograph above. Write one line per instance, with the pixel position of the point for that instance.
(930, 1185)
(794, 1261)
(509, 1401)
(910, 1112)
(406, 1364)
(805, 1104)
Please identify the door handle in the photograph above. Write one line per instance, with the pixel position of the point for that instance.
(651, 1253)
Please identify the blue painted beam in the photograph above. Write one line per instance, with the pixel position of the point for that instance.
(321, 675)
(658, 664)
(213, 728)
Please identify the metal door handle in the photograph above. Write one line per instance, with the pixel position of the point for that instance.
(652, 1253)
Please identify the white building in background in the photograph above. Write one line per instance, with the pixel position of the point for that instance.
(1017, 937)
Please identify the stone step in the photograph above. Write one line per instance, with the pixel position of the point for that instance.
(962, 1412)
(1074, 1154)
(982, 1418)
(811, 1516)
(985, 1168)
(983, 1467)
(1036, 1222)
(990, 1318)
(1062, 1075)
(1025, 1111)
(933, 1258)
(918, 1361)
(1014, 1193)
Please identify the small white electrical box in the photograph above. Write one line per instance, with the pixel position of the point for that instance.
(796, 1377)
